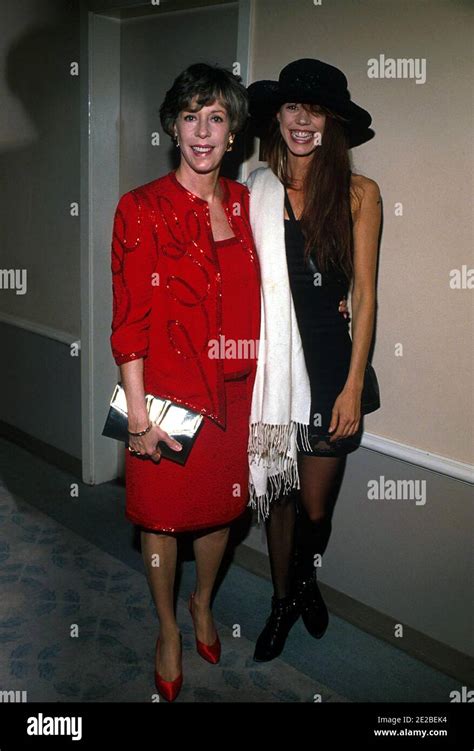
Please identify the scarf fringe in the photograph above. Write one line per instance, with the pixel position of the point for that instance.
(270, 444)
(268, 441)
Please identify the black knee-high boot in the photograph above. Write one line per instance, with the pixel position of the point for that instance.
(311, 538)
(284, 614)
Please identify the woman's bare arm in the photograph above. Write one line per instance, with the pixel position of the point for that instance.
(132, 381)
(366, 227)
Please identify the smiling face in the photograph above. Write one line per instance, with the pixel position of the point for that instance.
(203, 135)
(300, 128)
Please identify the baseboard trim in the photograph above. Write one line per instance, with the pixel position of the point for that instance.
(419, 458)
(418, 645)
(40, 329)
(45, 451)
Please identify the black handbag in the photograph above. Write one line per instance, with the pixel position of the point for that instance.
(370, 400)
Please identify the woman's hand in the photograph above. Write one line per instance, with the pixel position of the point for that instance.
(343, 309)
(147, 445)
(345, 416)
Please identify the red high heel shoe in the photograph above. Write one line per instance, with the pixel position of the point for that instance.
(209, 652)
(168, 689)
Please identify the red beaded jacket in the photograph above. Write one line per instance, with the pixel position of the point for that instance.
(167, 298)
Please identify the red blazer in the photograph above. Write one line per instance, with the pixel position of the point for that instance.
(167, 290)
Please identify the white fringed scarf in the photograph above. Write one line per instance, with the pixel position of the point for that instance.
(281, 399)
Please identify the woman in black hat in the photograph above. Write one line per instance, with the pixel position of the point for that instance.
(307, 208)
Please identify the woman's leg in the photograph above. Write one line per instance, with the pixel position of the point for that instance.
(280, 527)
(284, 609)
(209, 549)
(320, 478)
(159, 554)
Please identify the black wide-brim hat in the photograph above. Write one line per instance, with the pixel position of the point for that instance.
(309, 81)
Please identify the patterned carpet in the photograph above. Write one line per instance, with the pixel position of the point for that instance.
(76, 624)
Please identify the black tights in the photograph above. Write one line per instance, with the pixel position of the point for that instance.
(300, 522)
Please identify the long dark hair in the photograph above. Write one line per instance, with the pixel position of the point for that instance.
(326, 221)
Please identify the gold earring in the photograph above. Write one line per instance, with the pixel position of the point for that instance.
(231, 141)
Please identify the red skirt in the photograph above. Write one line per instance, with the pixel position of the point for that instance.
(211, 489)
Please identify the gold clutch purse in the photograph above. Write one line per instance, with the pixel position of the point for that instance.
(181, 423)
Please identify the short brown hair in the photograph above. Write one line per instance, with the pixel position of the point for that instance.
(208, 83)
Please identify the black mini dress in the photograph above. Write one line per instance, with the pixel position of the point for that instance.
(325, 338)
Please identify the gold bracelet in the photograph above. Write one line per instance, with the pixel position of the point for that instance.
(142, 432)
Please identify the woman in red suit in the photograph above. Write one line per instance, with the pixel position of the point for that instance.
(186, 285)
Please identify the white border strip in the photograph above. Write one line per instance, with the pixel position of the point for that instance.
(419, 457)
(39, 328)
